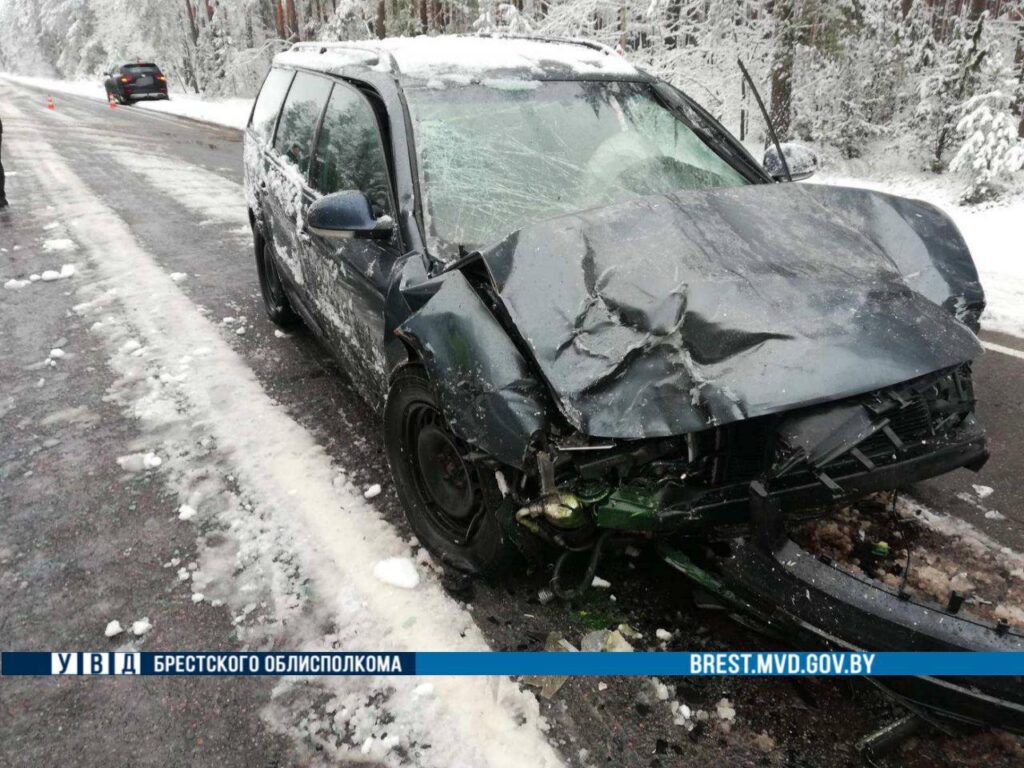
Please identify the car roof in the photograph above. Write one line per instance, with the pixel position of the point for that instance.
(469, 57)
(140, 64)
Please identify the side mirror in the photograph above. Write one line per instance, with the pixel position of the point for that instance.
(345, 215)
(802, 162)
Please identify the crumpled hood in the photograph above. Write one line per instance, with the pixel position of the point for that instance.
(674, 313)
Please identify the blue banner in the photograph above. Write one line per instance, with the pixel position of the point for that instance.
(725, 663)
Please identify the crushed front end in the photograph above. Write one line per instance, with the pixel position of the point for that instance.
(805, 458)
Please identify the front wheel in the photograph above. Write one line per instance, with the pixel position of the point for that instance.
(451, 501)
(275, 300)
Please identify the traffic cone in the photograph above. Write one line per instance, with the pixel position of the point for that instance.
(112, 103)
(49, 103)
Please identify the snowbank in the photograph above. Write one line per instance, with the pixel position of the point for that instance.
(232, 113)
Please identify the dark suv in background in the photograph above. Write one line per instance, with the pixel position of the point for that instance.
(141, 80)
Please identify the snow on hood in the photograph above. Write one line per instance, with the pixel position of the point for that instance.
(674, 313)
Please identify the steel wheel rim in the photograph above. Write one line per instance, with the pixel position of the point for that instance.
(446, 482)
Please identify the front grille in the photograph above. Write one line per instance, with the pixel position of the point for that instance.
(746, 450)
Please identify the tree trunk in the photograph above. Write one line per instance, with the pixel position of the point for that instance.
(192, 26)
(782, 67)
(423, 16)
(976, 8)
(379, 25)
(279, 18)
(291, 21)
(1018, 64)
(673, 14)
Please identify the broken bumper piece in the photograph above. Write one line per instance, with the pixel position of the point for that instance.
(811, 602)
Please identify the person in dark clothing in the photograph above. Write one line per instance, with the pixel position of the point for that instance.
(3, 195)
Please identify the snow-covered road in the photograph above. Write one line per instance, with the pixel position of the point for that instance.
(256, 515)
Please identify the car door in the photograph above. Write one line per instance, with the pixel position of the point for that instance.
(350, 277)
(286, 195)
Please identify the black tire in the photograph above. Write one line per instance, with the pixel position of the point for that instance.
(275, 299)
(453, 506)
(125, 100)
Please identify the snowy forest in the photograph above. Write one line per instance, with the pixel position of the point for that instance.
(939, 81)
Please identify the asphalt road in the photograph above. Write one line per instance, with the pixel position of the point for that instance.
(81, 542)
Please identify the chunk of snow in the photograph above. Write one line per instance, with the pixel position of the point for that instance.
(398, 572)
(725, 710)
(185, 512)
(198, 597)
(600, 583)
(113, 629)
(178, 276)
(49, 275)
(241, 331)
(660, 690)
(983, 491)
(423, 689)
(59, 244)
(137, 462)
(994, 515)
(33, 277)
(602, 686)
(280, 334)
(372, 492)
(56, 353)
(141, 627)
(67, 270)
(15, 285)
(663, 634)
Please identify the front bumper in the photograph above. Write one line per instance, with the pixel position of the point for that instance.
(811, 602)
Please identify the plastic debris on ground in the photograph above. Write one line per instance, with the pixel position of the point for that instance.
(605, 640)
(550, 684)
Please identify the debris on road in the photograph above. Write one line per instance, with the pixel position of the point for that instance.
(764, 742)
(550, 684)
(372, 492)
(113, 629)
(141, 627)
(605, 640)
(138, 462)
(725, 710)
(185, 512)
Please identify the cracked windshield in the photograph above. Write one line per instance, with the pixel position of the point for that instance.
(499, 155)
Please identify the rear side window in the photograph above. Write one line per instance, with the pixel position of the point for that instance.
(349, 154)
(299, 117)
(268, 103)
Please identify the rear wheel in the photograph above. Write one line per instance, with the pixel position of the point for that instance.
(451, 501)
(275, 300)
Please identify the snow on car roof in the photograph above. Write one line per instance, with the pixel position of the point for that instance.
(425, 57)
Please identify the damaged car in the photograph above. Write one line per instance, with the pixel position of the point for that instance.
(588, 314)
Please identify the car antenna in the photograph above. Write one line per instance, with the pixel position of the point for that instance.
(768, 121)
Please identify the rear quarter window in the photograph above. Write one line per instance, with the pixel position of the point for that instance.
(268, 103)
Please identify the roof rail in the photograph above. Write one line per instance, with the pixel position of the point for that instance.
(592, 44)
(367, 47)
